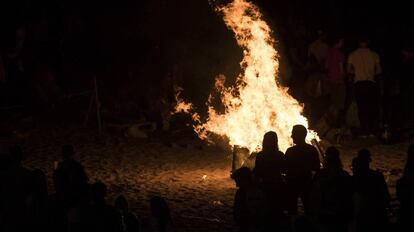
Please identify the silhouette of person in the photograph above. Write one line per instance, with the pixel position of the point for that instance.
(405, 193)
(106, 218)
(371, 196)
(69, 178)
(248, 208)
(331, 196)
(302, 160)
(160, 220)
(37, 201)
(81, 216)
(15, 190)
(365, 68)
(268, 173)
(129, 221)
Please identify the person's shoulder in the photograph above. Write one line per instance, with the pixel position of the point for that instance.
(353, 54)
(373, 52)
(259, 155)
(375, 55)
(311, 147)
(279, 153)
(291, 149)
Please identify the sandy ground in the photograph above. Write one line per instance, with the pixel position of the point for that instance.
(141, 168)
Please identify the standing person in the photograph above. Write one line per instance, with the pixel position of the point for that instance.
(302, 161)
(318, 49)
(332, 194)
(69, 178)
(364, 67)
(128, 219)
(317, 53)
(371, 196)
(248, 202)
(405, 193)
(160, 220)
(407, 85)
(268, 173)
(335, 81)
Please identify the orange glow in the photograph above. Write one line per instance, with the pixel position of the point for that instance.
(257, 103)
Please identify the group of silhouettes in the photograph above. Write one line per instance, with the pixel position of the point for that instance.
(267, 198)
(75, 206)
(268, 195)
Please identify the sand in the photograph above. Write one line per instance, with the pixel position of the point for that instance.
(192, 176)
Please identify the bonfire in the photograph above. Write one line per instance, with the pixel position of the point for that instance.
(257, 102)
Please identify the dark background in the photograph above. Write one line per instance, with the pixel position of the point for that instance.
(138, 49)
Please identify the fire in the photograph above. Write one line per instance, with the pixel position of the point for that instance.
(257, 103)
(184, 107)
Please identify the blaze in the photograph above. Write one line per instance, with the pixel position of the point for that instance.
(257, 103)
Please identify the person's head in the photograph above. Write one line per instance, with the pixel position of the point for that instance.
(270, 141)
(409, 165)
(332, 159)
(364, 158)
(160, 209)
(363, 42)
(320, 35)
(299, 133)
(243, 177)
(121, 203)
(99, 190)
(67, 151)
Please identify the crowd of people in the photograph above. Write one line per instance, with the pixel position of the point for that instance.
(296, 191)
(332, 199)
(348, 86)
(75, 205)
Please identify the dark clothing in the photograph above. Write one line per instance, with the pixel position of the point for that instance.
(106, 218)
(15, 191)
(130, 222)
(69, 172)
(248, 209)
(301, 160)
(331, 199)
(405, 194)
(70, 180)
(269, 167)
(371, 198)
(367, 99)
(268, 172)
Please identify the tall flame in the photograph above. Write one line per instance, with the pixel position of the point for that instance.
(258, 103)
